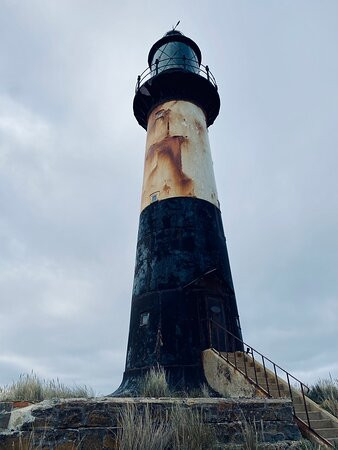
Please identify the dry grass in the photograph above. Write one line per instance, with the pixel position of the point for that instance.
(325, 393)
(181, 428)
(229, 385)
(252, 436)
(31, 444)
(154, 383)
(140, 431)
(141, 428)
(31, 388)
(203, 391)
(27, 444)
(190, 430)
(308, 445)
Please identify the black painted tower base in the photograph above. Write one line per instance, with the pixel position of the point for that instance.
(182, 279)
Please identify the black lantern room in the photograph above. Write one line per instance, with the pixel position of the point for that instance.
(175, 72)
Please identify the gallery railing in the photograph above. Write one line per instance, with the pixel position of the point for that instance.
(170, 64)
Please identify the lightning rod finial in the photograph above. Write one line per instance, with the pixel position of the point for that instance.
(174, 28)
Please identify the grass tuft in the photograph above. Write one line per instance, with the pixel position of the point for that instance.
(154, 383)
(305, 444)
(205, 391)
(325, 393)
(31, 388)
(180, 428)
(252, 437)
(139, 431)
(189, 430)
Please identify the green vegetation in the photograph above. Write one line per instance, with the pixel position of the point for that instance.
(252, 436)
(190, 431)
(203, 391)
(140, 431)
(179, 428)
(228, 384)
(154, 383)
(325, 393)
(31, 388)
(308, 445)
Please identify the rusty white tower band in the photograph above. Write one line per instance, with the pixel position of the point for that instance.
(182, 277)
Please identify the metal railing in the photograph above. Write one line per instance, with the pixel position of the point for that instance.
(180, 64)
(219, 337)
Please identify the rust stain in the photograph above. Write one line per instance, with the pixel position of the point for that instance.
(163, 115)
(166, 188)
(168, 154)
(178, 161)
(21, 404)
(199, 127)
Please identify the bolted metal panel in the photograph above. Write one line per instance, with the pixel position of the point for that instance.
(178, 159)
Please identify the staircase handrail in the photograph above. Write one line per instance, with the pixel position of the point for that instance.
(256, 351)
(264, 360)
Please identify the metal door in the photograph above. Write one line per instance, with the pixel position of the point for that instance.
(217, 322)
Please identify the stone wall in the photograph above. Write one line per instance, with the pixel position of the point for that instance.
(94, 423)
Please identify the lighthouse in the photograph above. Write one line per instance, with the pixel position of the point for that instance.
(182, 279)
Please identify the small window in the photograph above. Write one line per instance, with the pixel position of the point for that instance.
(215, 309)
(144, 319)
(154, 197)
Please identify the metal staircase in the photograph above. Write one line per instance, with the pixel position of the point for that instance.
(275, 382)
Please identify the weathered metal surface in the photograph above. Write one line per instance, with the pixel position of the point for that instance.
(176, 84)
(182, 272)
(178, 159)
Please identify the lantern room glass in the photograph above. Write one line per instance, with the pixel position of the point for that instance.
(175, 55)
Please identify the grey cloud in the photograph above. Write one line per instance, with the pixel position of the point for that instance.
(71, 163)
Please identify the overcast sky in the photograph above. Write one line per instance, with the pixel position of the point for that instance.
(71, 165)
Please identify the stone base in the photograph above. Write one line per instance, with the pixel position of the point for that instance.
(94, 423)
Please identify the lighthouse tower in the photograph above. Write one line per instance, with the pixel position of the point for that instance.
(182, 275)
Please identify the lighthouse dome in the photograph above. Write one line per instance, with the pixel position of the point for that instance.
(175, 72)
(174, 51)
